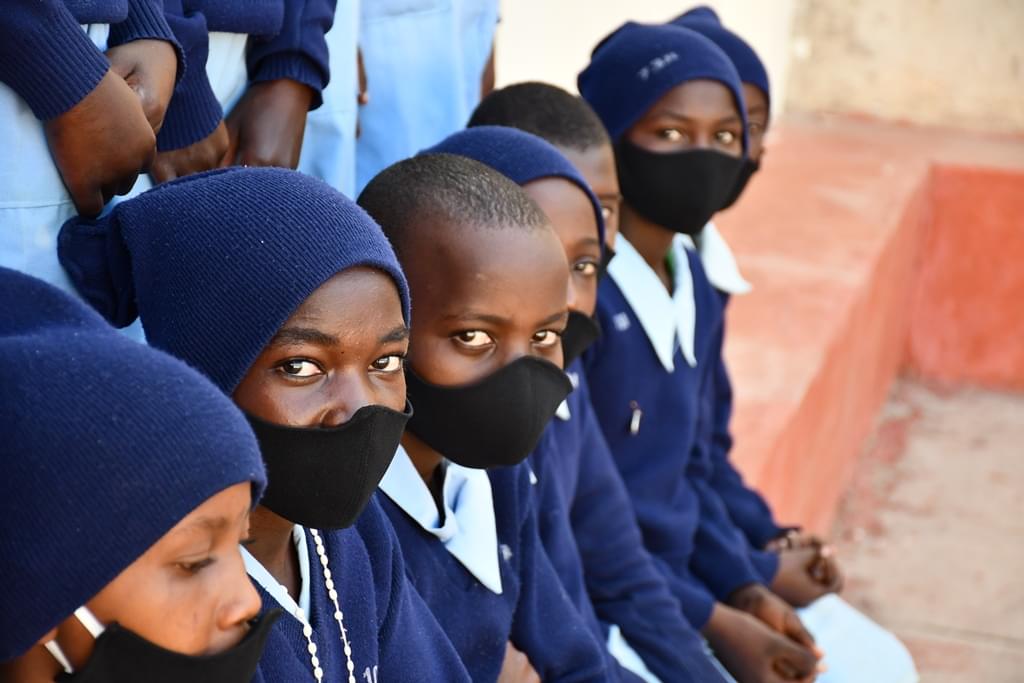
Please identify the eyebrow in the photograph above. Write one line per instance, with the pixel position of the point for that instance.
(398, 334)
(610, 195)
(588, 242)
(204, 524)
(288, 336)
(474, 315)
(732, 118)
(554, 318)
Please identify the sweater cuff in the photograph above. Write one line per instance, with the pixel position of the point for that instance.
(766, 564)
(50, 61)
(147, 22)
(294, 66)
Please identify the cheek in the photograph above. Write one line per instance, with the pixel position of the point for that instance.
(586, 293)
(438, 361)
(390, 392)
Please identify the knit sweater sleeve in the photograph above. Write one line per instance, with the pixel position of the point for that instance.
(146, 21)
(299, 51)
(747, 507)
(194, 111)
(693, 596)
(570, 651)
(622, 580)
(721, 556)
(412, 645)
(46, 57)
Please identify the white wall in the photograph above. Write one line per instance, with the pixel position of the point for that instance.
(551, 40)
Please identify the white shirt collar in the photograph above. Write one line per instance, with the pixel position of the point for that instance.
(277, 591)
(469, 531)
(720, 263)
(665, 318)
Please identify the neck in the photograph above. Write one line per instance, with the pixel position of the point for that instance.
(271, 536)
(425, 459)
(651, 241)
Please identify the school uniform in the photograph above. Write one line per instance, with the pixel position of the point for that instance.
(645, 628)
(51, 57)
(424, 60)
(483, 572)
(391, 633)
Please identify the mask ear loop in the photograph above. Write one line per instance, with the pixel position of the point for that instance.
(54, 649)
(89, 621)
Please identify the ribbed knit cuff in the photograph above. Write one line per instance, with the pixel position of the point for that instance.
(146, 21)
(193, 114)
(48, 59)
(766, 564)
(294, 66)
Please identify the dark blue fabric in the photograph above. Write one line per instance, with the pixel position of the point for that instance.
(533, 610)
(261, 18)
(107, 444)
(639, 63)
(704, 21)
(215, 263)
(622, 580)
(392, 634)
(519, 156)
(146, 20)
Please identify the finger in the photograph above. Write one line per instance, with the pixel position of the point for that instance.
(796, 632)
(88, 201)
(125, 184)
(800, 661)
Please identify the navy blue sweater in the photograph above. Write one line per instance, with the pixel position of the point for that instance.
(621, 578)
(49, 61)
(393, 636)
(533, 611)
(666, 465)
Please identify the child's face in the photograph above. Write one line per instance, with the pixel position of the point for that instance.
(341, 350)
(757, 118)
(188, 593)
(483, 298)
(697, 114)
(597, 165)
(572, 216)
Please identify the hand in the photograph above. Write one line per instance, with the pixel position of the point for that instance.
(516, 668)
(363, 97)
(754, 653)
(197, 157)
(149, 67)
(266, 126)
(793, 539)
(758, 601)
(101, 144)
(806, 574)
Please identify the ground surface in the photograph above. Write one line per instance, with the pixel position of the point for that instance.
(931, 532)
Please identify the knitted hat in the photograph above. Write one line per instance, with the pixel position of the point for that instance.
(519, 156)
(215, 263)
(638, 64)
(704, 21)
(107, 444)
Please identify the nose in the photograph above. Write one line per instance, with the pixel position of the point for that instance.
(347, 393)
(572, 296)
(241, 604)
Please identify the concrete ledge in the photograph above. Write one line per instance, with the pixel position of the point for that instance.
(833, 234)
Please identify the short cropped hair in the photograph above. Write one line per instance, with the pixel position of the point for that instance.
(451, 189)
(547, 111)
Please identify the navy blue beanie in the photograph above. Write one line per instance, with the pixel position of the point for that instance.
(519, 156)
(704, 21)
(107, 445)
(638, 64)
(215, 263)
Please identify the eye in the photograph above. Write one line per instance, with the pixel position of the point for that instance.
(474, 339)
(725, 137)
(586, 268)
(755, 128)
(388, 364)
(546, 338)
(607, 212)
(671, 134)
(195, 567)
(300, 367)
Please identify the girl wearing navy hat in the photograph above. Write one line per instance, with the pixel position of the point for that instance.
(289, 297)
(673, 106)
(126, 484)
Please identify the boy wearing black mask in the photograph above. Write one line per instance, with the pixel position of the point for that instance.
(290, 299)
(489, 279)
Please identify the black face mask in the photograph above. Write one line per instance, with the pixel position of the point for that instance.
(679, 191)
(749, 168)
(121, 656)
(580, 332)
(323, 478)
(606, 260)
(494, 422)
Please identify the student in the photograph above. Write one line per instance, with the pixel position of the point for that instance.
(800, 567)
(425, 63)
(126, 484)
(672, 104)
(290, 299)
(625, 586)
(79, 110)
(489, 279)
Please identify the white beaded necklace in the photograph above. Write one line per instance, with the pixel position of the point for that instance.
(307, 630)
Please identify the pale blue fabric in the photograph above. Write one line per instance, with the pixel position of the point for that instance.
(424, 60)
(329, 145)
(856, 648)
